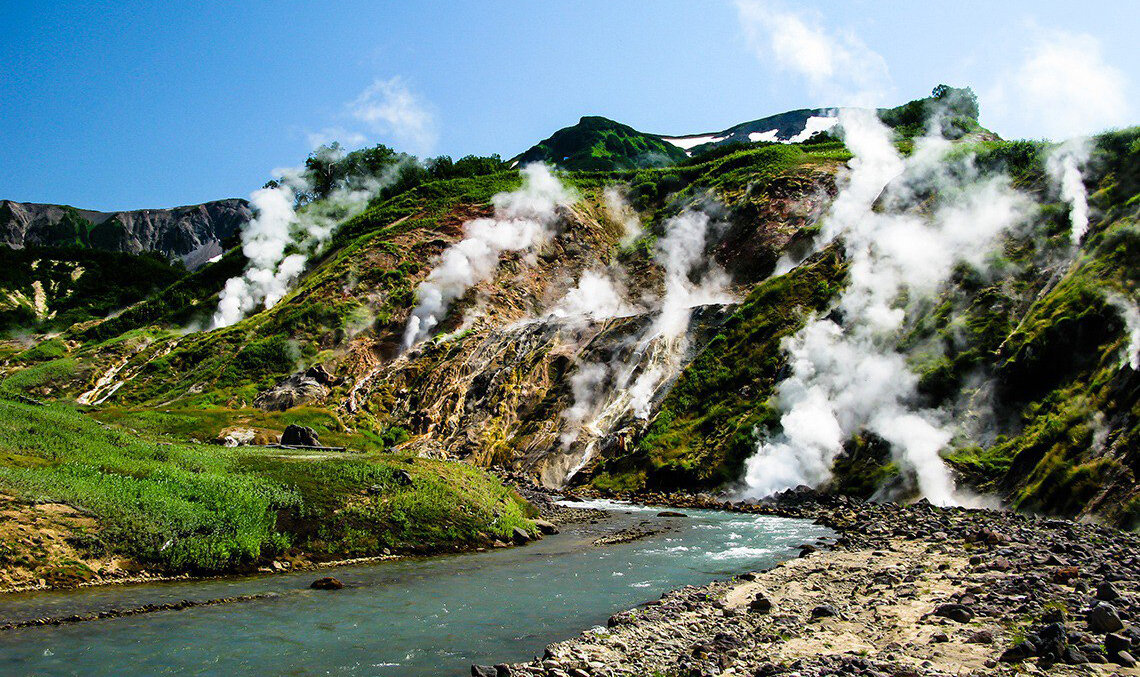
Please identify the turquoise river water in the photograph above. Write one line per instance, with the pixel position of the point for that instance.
(425, 616)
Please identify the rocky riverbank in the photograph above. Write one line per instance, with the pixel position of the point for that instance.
(904, 590)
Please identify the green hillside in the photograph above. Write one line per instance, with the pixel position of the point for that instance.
(597, 143)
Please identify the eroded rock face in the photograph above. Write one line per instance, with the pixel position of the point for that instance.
(192, 233)
(312, 385)
(501, 397)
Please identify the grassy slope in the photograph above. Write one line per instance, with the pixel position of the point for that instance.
(1062, 369)
(596, 143)
(189, 507)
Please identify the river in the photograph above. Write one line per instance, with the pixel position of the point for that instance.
(421, 616)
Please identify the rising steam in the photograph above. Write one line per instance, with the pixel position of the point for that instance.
(1064, 168)
(279, 240)
(523, 219)
(1131, 316)
(620, 211)
(846, 375)
(605, 394)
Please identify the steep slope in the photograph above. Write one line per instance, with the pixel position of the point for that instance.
(193, 233)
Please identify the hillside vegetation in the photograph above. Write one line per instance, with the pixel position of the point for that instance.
(1029, 355)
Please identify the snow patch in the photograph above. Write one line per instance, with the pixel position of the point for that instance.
(687, 142)
(770, 135)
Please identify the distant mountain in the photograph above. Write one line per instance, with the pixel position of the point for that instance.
(598, 143)
(193, 233)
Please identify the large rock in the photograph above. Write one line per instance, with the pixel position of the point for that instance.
(300, 436)
(1103, 618)
(955, 612)
(326, 583)
(545, 527)
(308, 386)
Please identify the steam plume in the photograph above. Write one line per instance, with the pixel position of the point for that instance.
(523, 219)
(620, 210)
(1131, 315)
(1064, 168)
(279, 241)
(598, 295)
(846, 376)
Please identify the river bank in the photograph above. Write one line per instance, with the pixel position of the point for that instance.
(422, 616)
(904, 590)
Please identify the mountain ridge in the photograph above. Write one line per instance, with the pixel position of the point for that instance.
(190, 233)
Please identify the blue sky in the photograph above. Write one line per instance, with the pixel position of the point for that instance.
(146, 104)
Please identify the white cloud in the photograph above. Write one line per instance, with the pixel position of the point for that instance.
(389, 107)
(837, 64)
(345, 137)
(1062, 88)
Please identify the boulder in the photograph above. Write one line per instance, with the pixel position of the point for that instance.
(326, 583)
(824, 611)
(1104, 618)
(546, 527)
(1051, 642)
(519, 536)
(760, 604)
(292, 392)
(671, 513)
(955, 612)
(1114, 644)
(300, 436)
(1107, 592)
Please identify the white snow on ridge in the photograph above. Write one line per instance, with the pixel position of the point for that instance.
(687, 142)
(814, 124)
(770, 135)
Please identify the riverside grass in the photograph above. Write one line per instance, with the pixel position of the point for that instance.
(206, 509)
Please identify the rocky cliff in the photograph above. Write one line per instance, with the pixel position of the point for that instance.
(193, 233)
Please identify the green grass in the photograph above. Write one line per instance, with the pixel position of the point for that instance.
(193, 507)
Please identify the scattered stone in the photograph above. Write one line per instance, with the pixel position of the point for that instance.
(981, 637)
(760, 604)
(1114, 644)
